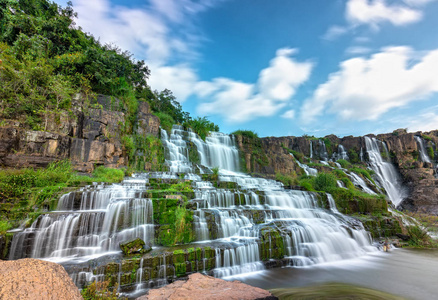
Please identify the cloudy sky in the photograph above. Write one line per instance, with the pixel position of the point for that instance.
(284, 67)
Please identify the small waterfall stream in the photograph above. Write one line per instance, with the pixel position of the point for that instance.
(387, 175)
(423, 153)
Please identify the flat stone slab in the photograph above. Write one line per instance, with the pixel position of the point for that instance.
(199, 287)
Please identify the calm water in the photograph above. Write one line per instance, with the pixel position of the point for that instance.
(412, 274)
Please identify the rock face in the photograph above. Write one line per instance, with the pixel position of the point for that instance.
(200, 286)
(89, 137)
(271, 155)
(35, 279)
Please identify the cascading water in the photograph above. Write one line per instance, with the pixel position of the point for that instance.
(386, 174)
(218, 150)
(90, 222)
(423, 153)
(248, 221)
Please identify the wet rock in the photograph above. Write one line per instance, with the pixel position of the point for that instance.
(136, 246)
(404, 237)
(200, 286)
(35, 279)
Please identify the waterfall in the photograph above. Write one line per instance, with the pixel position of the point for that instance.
(218, 150)
(90, 222)
(247, 221)
(322, 150)
(311, 149)
(341, 154)
(386, 173)
(307, 170)
(423, 153)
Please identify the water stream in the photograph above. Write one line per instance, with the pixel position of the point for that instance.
(387, 175)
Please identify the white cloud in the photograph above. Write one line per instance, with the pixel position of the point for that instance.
(364, 89)
(290, 114)
(374, 12)
(334, 32)
(239, 102)
(280, 80)
(180, 79)
(425, 122)
(148, 32)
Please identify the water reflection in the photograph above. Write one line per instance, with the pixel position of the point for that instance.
(410, 274)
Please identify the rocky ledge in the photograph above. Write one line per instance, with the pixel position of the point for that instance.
(35, 279)
(199, 287)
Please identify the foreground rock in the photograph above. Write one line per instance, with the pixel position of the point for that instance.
(35, 279)
(200, 286)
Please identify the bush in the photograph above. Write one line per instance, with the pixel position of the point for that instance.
(166, 121)
(344, 164)
(246, 133)
(325, 182)
(287, 180)
(201, 126)
(418, 236)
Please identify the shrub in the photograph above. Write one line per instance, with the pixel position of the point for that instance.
(418, 236)
(325, 182)
(344, 164)
(287, 180)
(166, 121)
(246, 133)
(201, 126)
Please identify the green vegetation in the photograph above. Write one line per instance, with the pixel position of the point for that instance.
(253, 145)
(419, 237)
(144, 152)
(99, 290)
(344, 163)
(246, 133)
(45, 61)
(287, 180)
(325, 182)
(348, 200)
(328, 145)
(430, 152)
(102, 173)
(202, 126)
(353, 156)
(25, 193)
(427, 138)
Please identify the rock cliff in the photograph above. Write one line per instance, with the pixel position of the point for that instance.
(87, 136)
(271, 155)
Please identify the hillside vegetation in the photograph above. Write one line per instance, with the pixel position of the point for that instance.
(45, 59)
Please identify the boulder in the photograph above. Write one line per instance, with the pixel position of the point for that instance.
(200, 286)
(35, 279)
(136, 246)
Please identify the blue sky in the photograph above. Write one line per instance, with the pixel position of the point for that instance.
(284, 67)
